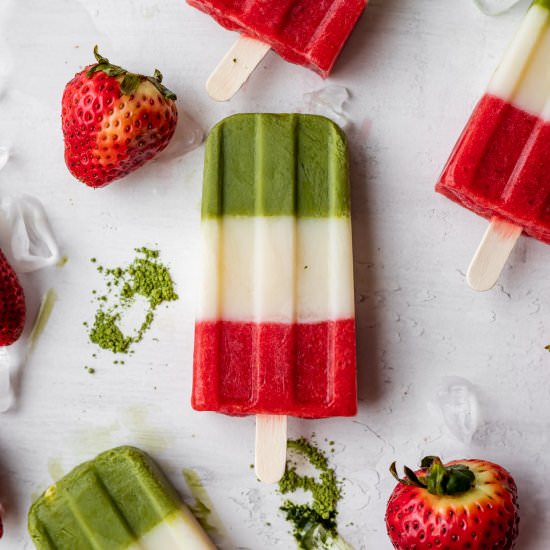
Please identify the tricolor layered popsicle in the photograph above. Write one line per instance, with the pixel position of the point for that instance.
(118, 501)
(275, 330)
(500, 166)
(307, 32)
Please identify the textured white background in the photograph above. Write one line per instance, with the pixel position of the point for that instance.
(415, 69)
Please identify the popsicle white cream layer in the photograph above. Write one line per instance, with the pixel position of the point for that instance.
(180, 531)
(522, 77)
(276, 269)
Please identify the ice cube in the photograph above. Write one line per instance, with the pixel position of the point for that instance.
(495, 7)
(188, 136)
(329, 101)
(457, 403)
(33, 245)
(4, 156)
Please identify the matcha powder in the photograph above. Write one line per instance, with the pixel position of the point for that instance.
(147, 277)
(314, 524)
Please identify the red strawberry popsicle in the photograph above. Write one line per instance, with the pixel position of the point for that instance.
(500, 167)
(307, 32)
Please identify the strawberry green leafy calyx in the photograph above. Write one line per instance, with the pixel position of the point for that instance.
(438, 479)
(130, 81)
(470, 504)
(114, 121)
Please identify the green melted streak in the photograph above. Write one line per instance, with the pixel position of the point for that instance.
(315, 523)
(203, 509)
(542, 3)
(145, 277)
(46, 308)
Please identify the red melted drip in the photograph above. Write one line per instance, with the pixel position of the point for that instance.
(307, 32)
(303, 370)
(501, 166)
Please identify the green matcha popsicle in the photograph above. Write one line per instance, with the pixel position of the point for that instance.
(118, 501)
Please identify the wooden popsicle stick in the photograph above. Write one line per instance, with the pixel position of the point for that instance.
(270, 461)
(492, 254)
(235, 68)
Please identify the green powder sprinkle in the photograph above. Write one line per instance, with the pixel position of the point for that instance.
(145, 277)
(315, 523)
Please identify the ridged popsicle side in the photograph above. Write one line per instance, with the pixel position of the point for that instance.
(276, 165)
(109, 502)
(299, 369)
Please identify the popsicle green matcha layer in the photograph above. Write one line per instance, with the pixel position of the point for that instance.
(282, 173)
(120, 500)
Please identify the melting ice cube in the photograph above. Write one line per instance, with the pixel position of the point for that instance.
(4, 156)
(188, 136)
(330, 102)
(32, 242)
(495, 7)
(456, 401)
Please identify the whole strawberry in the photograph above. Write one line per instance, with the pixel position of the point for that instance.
(114, 121)
(465, 504)
(12, 304)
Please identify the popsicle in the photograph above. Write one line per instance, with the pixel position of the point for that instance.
(118, 501)
(500, 167)
(275, 328)
(306, 32)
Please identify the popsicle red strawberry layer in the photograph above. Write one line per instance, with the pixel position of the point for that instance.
(307, 32)
(501, 163)
(275, 330)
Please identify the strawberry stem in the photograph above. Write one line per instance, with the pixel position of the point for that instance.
(99, 57)
(437, 478)
(130, 81)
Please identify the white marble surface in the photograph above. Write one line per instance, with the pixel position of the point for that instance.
(414, 69)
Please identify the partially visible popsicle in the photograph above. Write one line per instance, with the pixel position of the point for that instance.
(500, 167)
(307, 32)
(275, 330)
(118, 501)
